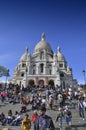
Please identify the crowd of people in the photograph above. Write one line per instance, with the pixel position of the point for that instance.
(40, 101)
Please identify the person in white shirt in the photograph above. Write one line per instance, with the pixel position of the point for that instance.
(17, 120)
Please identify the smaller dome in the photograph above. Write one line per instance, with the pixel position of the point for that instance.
(60, 55)
(25, 55)
(54, 54)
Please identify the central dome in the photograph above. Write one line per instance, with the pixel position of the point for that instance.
(43, 45)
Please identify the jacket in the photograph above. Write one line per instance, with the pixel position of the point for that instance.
(43, 122)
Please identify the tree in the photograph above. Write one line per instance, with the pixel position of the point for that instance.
(4, 71)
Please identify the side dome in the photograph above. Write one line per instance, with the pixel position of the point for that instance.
(25, 56)
(43, 45)
(60, 55)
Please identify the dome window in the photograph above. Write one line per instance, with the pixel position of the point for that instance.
(22, 75)
(34, 72)
(42, 55)
(41, 68)
(23, 65)
(62, 75)
(50, 72)
(34, 69)
(61, 65)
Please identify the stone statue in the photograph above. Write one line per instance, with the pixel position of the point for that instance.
(57, 75)
(57, 68)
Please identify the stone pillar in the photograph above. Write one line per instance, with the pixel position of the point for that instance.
(44, 69)
(36, 80)
(46, 81)
(37, 69)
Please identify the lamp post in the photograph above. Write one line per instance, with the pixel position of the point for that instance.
(84, 76)
(7, 74)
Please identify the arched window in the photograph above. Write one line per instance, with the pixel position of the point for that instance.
(50, 69)
(62, 75)
(61, 65)
(42, 55)
(34, 69)
(23, 65)
(50, 72)
(41, 68)
(22, 74)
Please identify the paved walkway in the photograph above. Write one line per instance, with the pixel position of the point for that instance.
(77, 123)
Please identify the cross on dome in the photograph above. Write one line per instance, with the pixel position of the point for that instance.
(43, 36)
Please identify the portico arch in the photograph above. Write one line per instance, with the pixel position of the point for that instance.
(51, 82)
(41, 82)
(31, 82)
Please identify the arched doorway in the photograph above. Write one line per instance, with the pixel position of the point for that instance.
(51, 82)
(31, 82)
(41, 82)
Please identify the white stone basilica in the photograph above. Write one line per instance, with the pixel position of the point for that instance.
(43, 67)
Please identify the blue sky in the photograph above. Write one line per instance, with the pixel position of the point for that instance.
(63, 21)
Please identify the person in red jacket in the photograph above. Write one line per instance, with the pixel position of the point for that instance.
(33, 118)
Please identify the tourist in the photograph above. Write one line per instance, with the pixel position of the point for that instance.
(33, 118)
(51, 101)
(84, 103)
(59, 117)
(2, 116)
(81, 109)
(26, 123)
(43, 121)
(68, 119)
(17, 120)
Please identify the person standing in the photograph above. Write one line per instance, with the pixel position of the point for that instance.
(33, 119)
(68, 119)
(84, 103)
(43, 121)
(59, 117)
(26, 123)
(81, 109)
(51, 101)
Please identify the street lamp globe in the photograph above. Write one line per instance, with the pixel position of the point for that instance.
(84, 76)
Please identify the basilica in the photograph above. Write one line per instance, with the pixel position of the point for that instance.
(43, 67)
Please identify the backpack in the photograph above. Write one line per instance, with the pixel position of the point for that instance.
(44, 122)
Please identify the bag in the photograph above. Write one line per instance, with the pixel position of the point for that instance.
(58, 115)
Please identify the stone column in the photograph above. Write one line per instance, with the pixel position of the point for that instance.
(37, 69)
(36, 80)
(45, 68)
(46, 81)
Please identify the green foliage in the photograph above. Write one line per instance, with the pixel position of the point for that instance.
(4, 71)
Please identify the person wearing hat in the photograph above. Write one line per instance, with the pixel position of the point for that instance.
(43, 121)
